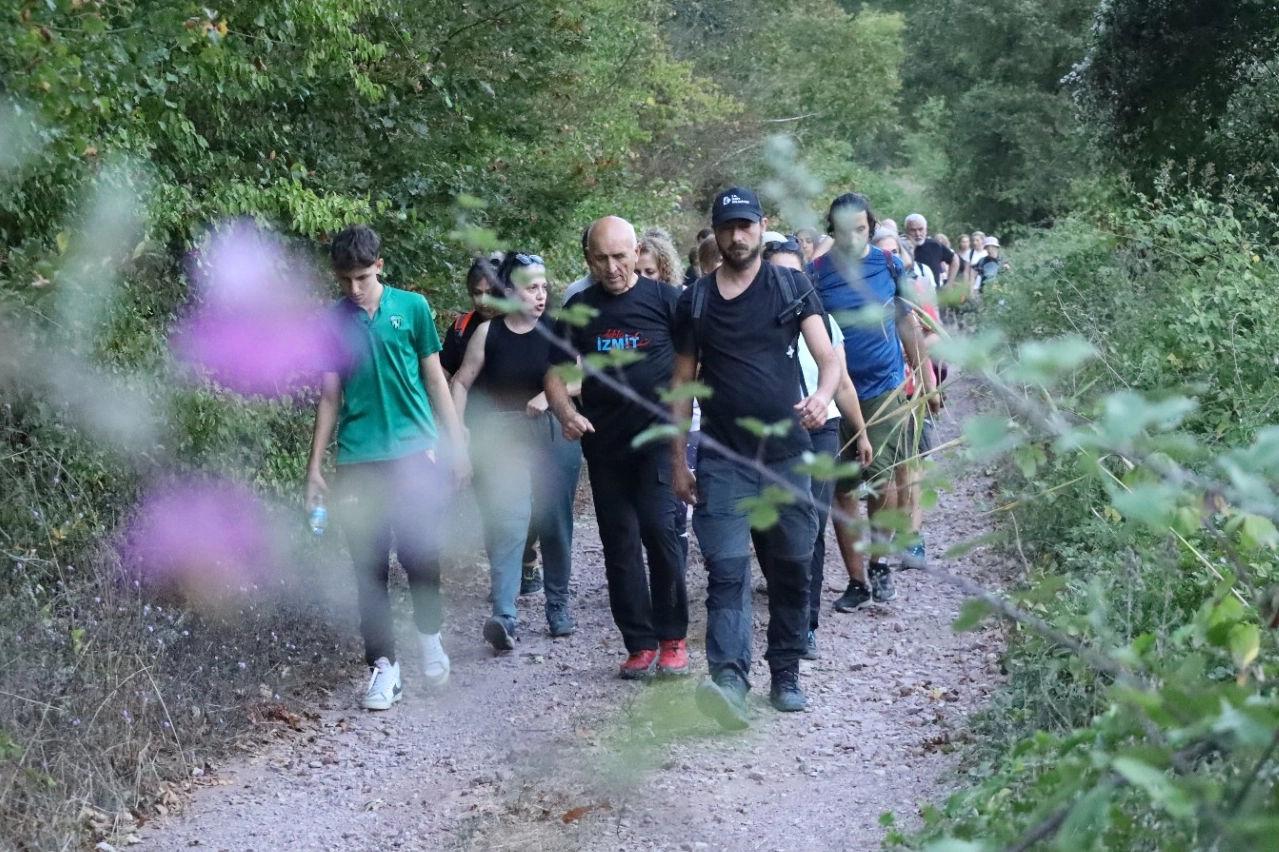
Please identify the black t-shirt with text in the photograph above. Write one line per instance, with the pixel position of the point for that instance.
(934, 255)
(749, 360)
(641, 319)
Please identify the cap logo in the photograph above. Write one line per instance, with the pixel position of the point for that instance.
(733, 199)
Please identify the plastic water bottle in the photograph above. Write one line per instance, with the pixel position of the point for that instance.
(319, 518)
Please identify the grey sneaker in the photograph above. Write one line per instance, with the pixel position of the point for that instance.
(785, 694)
(881, 582)
(914, 557)
(856, 595)
(499, 631)
(724, 700)
(810, 648)
(559, 621)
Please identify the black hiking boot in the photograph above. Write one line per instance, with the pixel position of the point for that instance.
(881, 582)
(785, 694)
(856, 595)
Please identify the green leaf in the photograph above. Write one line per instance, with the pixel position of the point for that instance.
(762, 510)
(990, 435)
(971, 614)
(1256, 532)
(1087, 821)
(570, 373)
(577, 315)
(760, 429)
(950, 844)
(1245, 643)
(1156, 784)
(688, 390)
(1043, 362)
(659, 432)
(613, 358)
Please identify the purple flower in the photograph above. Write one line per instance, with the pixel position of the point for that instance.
(255, 327)
(206, 537)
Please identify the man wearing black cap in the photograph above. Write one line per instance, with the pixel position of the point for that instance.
(741, 325)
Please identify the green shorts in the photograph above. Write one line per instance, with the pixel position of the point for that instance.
(888, 421)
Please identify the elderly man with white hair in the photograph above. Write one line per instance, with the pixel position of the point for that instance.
(928, 251)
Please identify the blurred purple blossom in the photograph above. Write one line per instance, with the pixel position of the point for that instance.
(256, 327)
(206, 537)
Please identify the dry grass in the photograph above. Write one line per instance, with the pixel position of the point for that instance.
(113, 700)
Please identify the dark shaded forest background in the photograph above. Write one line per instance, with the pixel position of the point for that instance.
(1126, 151)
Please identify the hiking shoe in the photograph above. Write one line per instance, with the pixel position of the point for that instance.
(499, 631)
(856, 595)
(724, 700)
(914, 557)
(531, 579)
(384, 685)
(810, 647)
(881, 582)
(785, 694)
(639, 664)
(672, 659)
(559, 621)
(435, 663)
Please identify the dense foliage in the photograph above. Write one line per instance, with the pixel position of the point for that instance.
(1133, 399)
(129, 131)
(1187, 88)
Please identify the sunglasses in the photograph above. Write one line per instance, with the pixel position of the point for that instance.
(790, 245)
(529, 259)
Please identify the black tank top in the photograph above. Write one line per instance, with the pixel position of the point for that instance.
(514, 364)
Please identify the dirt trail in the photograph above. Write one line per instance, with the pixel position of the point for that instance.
(545, 748)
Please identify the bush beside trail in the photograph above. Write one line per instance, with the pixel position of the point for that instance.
(1138, 491)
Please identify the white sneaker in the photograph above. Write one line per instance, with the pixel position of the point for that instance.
(435, 661)
(384, 685)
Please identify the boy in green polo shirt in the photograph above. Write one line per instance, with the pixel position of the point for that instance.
(385, 403)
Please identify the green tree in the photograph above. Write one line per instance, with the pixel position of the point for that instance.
(1186, 86)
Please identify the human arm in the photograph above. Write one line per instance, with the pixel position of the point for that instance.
(850, 407)
(326, 417)
(952, 268)
(912, 344)
(813, 408)
(472, 364)
(682, 479)
(437, 392)
(559, 397)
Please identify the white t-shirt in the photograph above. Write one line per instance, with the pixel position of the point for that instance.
(809, 366)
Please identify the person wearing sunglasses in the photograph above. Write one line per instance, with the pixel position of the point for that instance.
(525, 470)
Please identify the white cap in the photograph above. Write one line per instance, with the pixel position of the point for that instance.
(774, 237)
(991, 241)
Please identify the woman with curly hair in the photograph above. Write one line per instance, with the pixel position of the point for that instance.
(658, 257)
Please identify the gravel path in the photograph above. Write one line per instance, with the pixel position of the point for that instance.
(545, 748)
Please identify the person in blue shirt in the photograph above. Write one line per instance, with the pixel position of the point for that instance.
(865, 290)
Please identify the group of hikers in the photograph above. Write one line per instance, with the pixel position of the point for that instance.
(758, 355)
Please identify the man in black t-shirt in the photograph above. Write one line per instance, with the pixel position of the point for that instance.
(741, 325)
(929, 252)
(634, 503)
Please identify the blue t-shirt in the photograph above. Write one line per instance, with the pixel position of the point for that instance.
(876, 363)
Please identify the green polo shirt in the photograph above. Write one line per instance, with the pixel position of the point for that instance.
(385, 411)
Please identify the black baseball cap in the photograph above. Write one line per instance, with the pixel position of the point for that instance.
(736, 202)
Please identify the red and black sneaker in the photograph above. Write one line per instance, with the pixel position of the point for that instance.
(639, 664)
(673, 658)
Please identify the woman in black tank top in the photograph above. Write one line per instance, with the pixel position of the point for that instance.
(526, 472)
